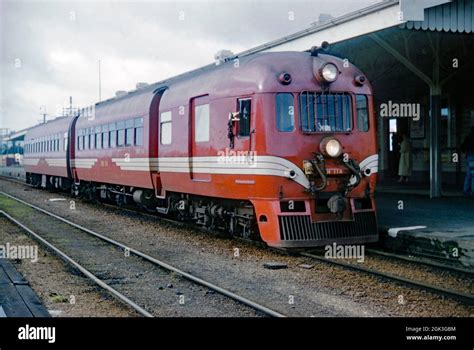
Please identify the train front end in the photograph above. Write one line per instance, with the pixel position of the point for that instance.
(325, 127)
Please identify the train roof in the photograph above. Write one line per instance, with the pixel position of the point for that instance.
(218, 80)
(205, 70)
(54, 126)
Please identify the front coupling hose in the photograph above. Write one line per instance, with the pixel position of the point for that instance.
(318, 164)
(355, 170)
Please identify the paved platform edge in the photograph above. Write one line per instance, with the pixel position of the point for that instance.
(433, 245)
(17, 298)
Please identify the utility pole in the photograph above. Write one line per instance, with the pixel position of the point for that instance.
(100, 97)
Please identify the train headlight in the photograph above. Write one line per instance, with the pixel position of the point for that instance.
(329, 72)
(330, 147)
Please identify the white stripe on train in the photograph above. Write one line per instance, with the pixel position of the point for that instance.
(256, 165)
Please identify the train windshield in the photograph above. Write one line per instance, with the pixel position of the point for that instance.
(325, 112)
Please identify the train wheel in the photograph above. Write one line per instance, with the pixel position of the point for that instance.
(75, 191)
(120, 200)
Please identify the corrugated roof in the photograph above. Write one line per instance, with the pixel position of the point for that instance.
(456, 17)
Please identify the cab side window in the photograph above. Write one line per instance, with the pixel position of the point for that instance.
(285, 112)
(244, 117)
(362, 113)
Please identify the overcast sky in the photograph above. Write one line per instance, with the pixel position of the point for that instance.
(50, 50)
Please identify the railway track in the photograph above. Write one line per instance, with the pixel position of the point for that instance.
(446, 292)
(462, 297)
(156, 262)
(420, 261)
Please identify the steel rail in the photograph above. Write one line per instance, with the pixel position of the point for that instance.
(420, 261)
(463, 297)
(155, 261)
(84, 271)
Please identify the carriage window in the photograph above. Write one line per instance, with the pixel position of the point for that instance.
(129, 132)
(105, 136)
(65, 140)
(165, 128)
(97, 141)
(244, 117)
(201, 126)
(138, 131)
(120, 134)
(285, 116)
(91, 138)
(325, 112)
(79, 139)
(113, 135)
(86, 139)
(98, 137)
(362, 113)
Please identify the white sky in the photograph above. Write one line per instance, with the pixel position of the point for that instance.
(50, 50)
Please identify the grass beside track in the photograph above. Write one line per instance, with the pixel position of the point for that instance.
(14, 208)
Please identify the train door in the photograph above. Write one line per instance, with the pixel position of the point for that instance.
(70, 148)
(200, 138)
(153, 125)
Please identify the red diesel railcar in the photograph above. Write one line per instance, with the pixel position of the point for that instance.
(45, 158)
(280, 146)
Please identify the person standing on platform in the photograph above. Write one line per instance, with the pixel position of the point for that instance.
(468, 148)
(405, 163)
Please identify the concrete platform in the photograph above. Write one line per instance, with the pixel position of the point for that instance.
(441, 229)
(17, 299)
(17, 172)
